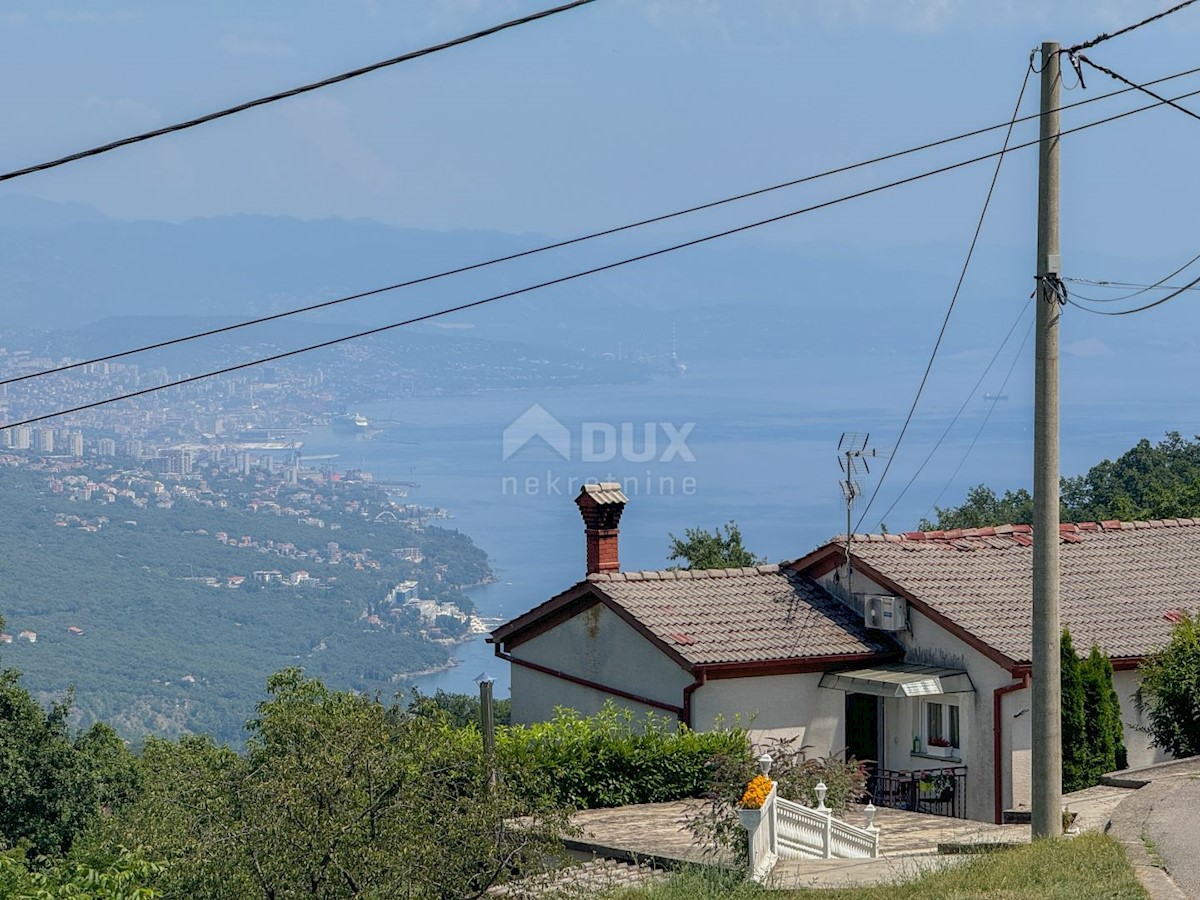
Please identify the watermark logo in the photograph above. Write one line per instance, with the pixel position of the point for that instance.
(536, 423)
(598, 442)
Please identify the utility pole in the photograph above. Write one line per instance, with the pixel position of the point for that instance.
(1047, 687)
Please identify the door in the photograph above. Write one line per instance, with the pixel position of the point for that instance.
(862, 728)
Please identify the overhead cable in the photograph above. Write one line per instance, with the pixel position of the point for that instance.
(953, 298)
(293, 92)
(566, 278)
(961, 409)
(983, 424)
(1101, 38)
(616, 230)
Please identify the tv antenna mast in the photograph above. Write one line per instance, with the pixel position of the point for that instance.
(853, 454)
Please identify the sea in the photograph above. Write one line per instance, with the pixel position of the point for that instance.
(753, 442)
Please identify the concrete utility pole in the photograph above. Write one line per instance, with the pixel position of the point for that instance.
(1047, 687)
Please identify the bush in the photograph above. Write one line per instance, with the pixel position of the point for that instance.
(1170, 690)
(716, 825)
(614, 759)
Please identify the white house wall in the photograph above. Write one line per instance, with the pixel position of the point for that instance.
(931, 644)
(598, 646)
(776, 707)
(1137, 743)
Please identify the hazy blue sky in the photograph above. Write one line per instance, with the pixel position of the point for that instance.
(602, 114)
(626, 108)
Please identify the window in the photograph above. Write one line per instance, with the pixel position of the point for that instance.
(941, 724)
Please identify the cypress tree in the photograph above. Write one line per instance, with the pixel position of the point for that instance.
(1075, 768)
(1103, 723)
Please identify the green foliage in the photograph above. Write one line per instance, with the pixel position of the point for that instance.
(613, 758)
(1093, 741)
(52, 786)
(459, 710)
(126, 876)
(716, 825)
(337, 796)
(1146, 482)
(1105, 731)
(147, 627)
(705, 549)
(1074, 718)
(1170, 690)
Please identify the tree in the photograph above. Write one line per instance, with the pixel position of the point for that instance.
(1104, 729)
(338, 795)
(1146, 482)
(705, 549)
(1170, 690)
(1074, 719)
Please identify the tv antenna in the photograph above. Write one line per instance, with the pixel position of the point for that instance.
(853, 454)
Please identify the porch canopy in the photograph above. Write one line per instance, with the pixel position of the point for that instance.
(900, 680)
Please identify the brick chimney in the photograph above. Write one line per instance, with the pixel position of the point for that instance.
(601, 506)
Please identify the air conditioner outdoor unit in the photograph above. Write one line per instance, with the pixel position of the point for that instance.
(885, 612)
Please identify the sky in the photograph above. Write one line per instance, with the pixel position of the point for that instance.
(600, 115)
(629, 108)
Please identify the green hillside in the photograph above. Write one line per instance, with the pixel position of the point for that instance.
(163, 652)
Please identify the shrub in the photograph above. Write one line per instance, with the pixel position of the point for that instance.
(614, 758)
(1170, 690)
(716, 825)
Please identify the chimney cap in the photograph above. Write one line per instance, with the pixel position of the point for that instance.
(605, 493)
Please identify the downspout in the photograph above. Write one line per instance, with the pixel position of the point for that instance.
(997, 742)
(701, 679)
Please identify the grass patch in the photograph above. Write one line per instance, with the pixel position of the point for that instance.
(1091, 866)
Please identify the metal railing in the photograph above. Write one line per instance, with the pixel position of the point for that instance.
(938, 792)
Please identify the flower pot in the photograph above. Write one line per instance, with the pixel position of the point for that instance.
(750, 818)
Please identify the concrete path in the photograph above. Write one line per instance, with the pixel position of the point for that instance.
(1160, 830)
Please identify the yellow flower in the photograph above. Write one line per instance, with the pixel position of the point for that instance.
(756, 792)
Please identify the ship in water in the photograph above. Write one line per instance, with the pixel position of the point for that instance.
(355, 422)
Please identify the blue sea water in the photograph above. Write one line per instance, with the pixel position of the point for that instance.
(759, 447)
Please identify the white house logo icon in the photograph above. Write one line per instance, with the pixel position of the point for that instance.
(536, 422)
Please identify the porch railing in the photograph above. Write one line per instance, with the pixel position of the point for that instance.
(939, 792)
(782, 829)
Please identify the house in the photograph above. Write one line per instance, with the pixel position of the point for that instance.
(30, 636)
(911, 650)
(74, 631)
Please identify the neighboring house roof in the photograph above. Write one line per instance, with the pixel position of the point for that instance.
(707, 617)
(1120, 580)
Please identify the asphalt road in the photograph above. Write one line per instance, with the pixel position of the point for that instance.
(1173, 827)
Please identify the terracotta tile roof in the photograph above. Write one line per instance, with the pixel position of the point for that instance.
(1121, 581)
(754, 614)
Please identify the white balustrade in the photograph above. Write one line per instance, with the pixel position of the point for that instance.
(784, 829)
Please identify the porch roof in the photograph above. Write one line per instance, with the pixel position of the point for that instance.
(900, 680)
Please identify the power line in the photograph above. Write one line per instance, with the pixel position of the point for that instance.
(982, 424)
(587, 237)
(961, 409)
(1137, 87)
(953, 298)
(1137, 309)
(1142, 288)
(293, 92)
(655, 253)
(1101, 38)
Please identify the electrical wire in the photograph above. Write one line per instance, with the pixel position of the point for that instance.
(983, 424)
(1142, 288)
(1101, 38)
(582, 238)
(953, 299)
(293, 92)
(1137, 309)
(660, 252)
(958, 414)
(1135, 86)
